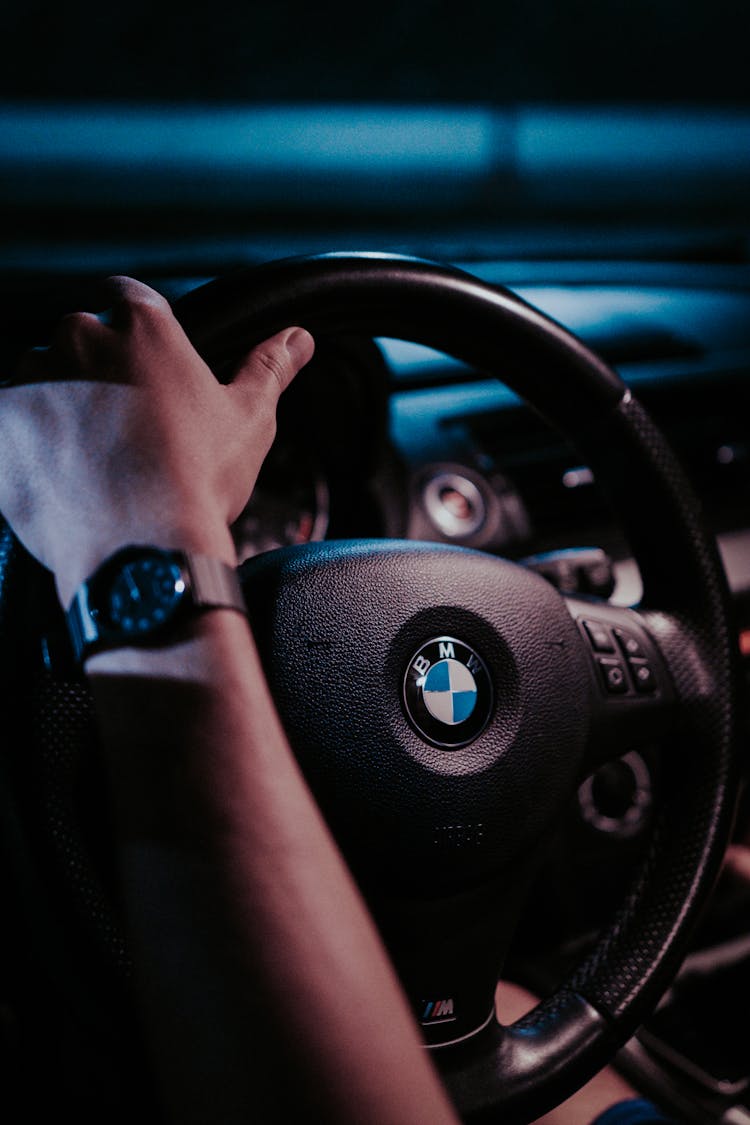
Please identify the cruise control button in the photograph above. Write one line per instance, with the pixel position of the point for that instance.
(613, 675)
(599, 636)
(643, 676)
(629, 644)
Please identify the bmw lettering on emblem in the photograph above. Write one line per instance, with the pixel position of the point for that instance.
(447, 693)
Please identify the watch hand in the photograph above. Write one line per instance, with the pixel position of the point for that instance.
(135, 593)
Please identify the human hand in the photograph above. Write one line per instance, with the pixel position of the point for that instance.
(119, 433)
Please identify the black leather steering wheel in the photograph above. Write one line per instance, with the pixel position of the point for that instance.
(442, 815)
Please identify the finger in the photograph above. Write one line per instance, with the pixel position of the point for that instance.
(78, 343)
(77, 351)
(270, 367)
(129, 297)
(77, 340)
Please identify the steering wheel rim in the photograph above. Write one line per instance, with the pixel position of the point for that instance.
(684, 619)
(685, 605)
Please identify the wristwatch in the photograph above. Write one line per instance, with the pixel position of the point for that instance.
(139, 594)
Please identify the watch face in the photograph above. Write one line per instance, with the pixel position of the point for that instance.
(145, 594)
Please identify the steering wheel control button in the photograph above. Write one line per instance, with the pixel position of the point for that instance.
(447, 693)
(643, 676)
(629, 644)
(599, 636)
(614, 677)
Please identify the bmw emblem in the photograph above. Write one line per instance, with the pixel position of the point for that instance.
(447, 693)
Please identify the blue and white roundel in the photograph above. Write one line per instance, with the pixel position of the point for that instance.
(449, 692)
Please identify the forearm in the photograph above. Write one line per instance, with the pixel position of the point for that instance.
(284, 975)
(266, 992)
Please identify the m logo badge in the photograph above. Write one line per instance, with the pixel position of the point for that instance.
(447, 693)
(438, 1011)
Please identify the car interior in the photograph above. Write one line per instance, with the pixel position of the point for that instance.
(489, 228)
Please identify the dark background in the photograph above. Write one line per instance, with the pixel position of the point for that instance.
(498, 53)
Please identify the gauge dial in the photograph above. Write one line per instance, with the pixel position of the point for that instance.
(289, 505)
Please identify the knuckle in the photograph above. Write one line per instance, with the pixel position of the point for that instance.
(71, 336)
(138, 300)
(151, 308)
(73, 324)
(271, 362)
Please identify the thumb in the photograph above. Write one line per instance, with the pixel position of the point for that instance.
(270, 367)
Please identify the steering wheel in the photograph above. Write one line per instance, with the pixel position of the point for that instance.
(445, 703)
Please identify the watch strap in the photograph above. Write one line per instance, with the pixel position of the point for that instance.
(214, 584)
(83, 628)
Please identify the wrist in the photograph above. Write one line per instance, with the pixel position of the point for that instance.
(77, 566)
(142, 594)
(190, 657)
